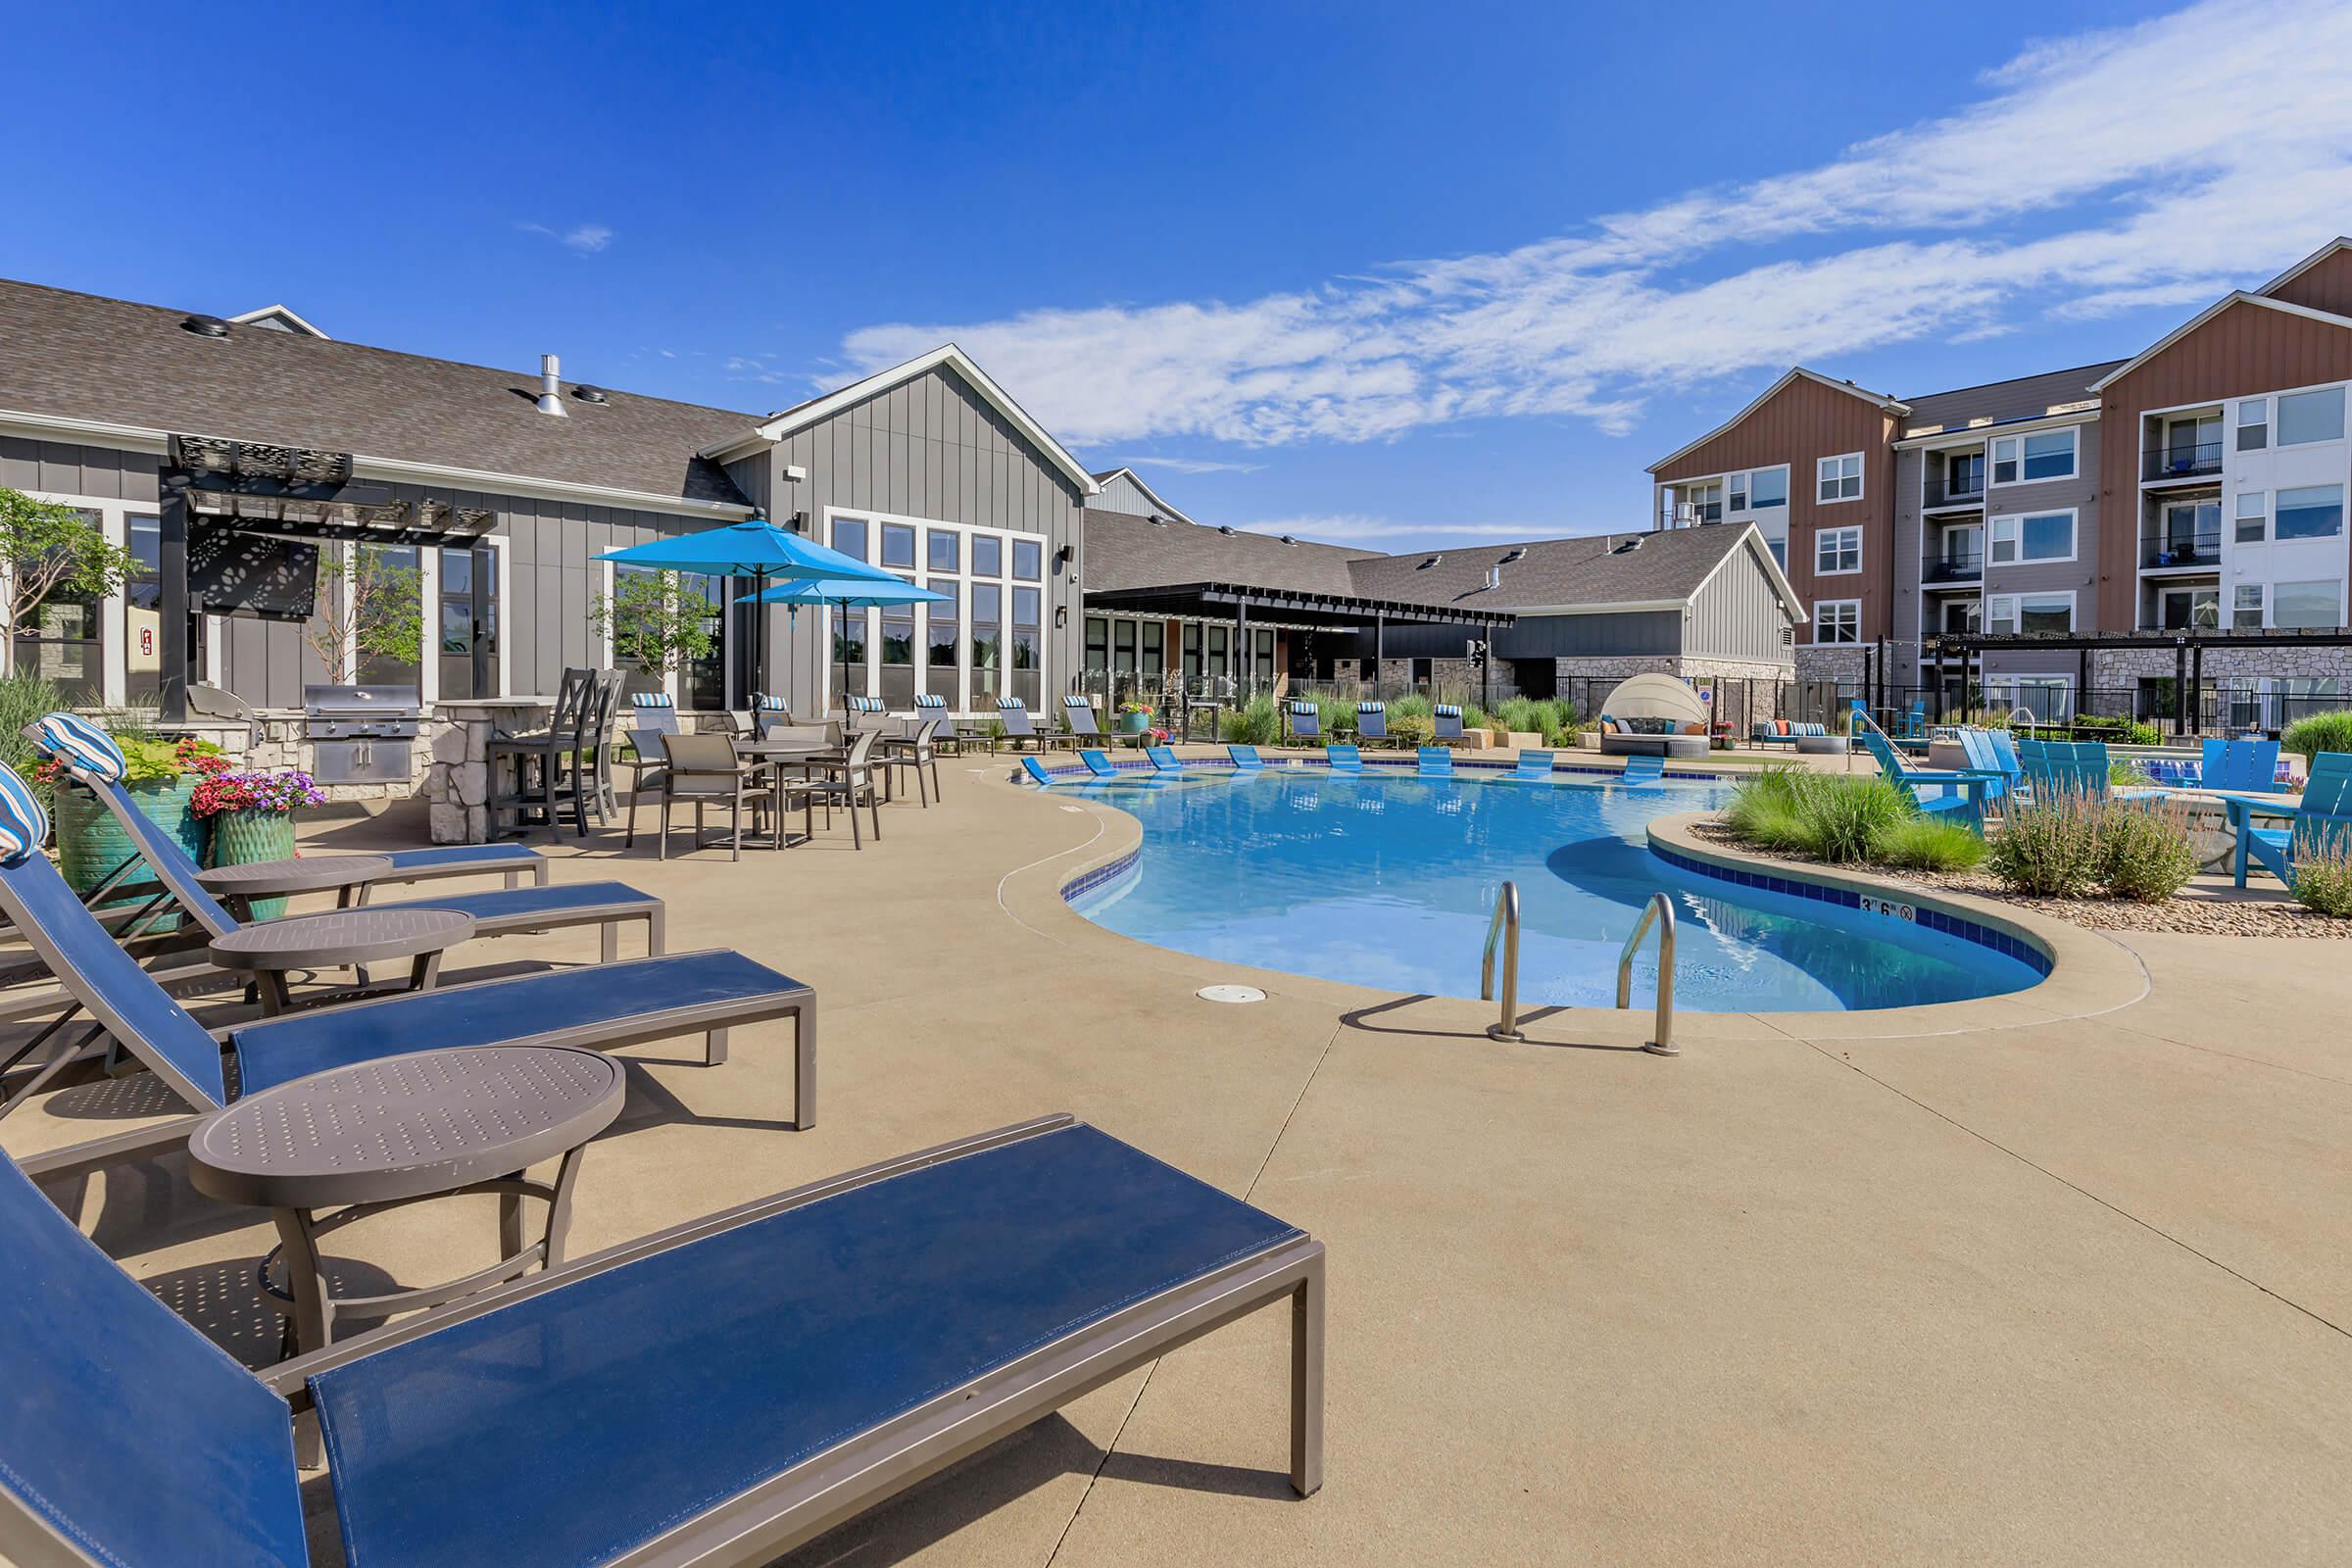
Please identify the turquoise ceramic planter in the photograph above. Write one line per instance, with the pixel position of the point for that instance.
(92, 844)
(1134, 723)
(241, 838)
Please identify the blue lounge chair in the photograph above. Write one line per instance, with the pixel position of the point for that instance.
(1958, 795)
(1079, 714)
(1306, 722)
(1036, 770)
(1019, 730)
(1344, 758)
(1372, 722)
(1245, 758)
(1537, 766)
(1436, 760)
(98, 764)
(720, 1392)
(603, 1006)
(2247, 765)
(1448, 718)
(2322, 826)
(1163, 760)
(1098, 765)
(1644, 770)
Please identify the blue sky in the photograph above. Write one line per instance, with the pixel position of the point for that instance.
(1389, 274)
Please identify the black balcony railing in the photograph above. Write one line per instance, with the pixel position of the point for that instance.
(2182, 461)
(1965, 566)
(2181, 550)
(1960, 492)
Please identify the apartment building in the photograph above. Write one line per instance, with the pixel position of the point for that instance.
(2196, 487)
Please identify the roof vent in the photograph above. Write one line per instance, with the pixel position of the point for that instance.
(1157, 520)
(1627, 548)
(550, 390)
(1287, 540)
(591, 394)
(1227, 529)
(1493, 576)
(205, 326)
(1431, 562)
(1515, 552)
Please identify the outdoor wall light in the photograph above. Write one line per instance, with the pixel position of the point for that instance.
(1061, 615)
(1061, 556)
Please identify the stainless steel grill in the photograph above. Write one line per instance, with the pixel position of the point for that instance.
(360, 734)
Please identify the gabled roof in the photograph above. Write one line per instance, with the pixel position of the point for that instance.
(1879, 399)
(2239, 297)
(1103, 477)
(1125, 552)
(2340, 243)
(2024, 396)
(1662, 569)
(776, 426)
(278, 318)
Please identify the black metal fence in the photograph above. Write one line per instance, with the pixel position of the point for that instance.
(2220, 707)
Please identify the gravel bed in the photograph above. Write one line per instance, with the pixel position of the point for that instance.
(2208, 907)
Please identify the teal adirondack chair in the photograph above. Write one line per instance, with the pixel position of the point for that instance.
(1959, 795)
(2073, 768)
(2323, 821)
(2251, 765)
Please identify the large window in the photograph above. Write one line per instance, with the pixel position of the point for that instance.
(1768, 487)
(2035, 536)
(965, 647)
(466, 623)
(142, 627)
(2030, 612)
(939, 622)
(987, 639)
(1837, 620)
(1837, 552)
(2308, 603)
(61, 642)
(1839, 478)
(2188, 609)
(2313, 511)
(2042, 455)
(2308, 416)
(2245, 607)
(1028, 659)
(897, 545)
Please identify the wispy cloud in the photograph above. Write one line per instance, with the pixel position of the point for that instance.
(1192, 466)
(585, 238)
(1353, 529)
(2090, 177)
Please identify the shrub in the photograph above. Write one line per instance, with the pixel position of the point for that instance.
(1929, 844)
(2324, 882)
(2050, 848)
(1257, 723)
(1338, 714)
(1763, 812)
(1848, 813)
(1549, 718)
(2320, 732)
(25, 698)
(2144, 853)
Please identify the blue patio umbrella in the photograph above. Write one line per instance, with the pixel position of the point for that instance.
(846, 594)
(756, 548)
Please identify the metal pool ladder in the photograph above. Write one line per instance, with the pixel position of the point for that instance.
(1660, 910)
(1504, 927)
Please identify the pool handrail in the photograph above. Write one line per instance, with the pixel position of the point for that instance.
(1660, 910)
(1504, 926)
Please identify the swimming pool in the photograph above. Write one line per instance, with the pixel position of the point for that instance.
(1388, 879)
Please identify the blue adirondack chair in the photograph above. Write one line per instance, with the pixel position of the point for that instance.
(1960, 796)
(1344, 758)
(2251, 765)
(2323, 822)
(2073, 768)
(1982, 759)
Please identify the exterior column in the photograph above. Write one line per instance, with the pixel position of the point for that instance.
(173, 609)
(1380, 626)
(1241, 654)
(2181, 686)
(2196, 699)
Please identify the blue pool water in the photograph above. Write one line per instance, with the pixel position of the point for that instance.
(1388, 880)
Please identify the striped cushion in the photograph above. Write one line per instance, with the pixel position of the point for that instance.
(866, 705)
(1371, 708)
(1007, 703)
(930, 700)
(1304, 708)
(653, 700)
(23, 825)
(82, 745)
(1076, 702)
(1449, 711)
(768, 702)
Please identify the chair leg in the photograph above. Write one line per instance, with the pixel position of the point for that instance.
(665, 854)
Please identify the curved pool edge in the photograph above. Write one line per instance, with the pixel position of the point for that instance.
(2091, 973)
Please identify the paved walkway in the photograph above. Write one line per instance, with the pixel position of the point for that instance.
(2055, 1280)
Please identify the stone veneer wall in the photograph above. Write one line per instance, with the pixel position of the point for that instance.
(2115, 668)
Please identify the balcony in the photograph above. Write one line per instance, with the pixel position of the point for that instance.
(2180, 550)
(2181, 462)
(1963, 566)
(1966, 491)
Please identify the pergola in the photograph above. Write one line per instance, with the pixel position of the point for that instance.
(1227, 601)
(212, 487)
(2187, 646)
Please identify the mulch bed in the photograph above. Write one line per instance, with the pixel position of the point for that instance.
(2207, 907)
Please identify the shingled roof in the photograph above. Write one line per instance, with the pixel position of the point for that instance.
(82, 357)
(2026, 397)
(1124, 553)
(1664, 566)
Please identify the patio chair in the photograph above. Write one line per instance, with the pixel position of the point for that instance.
(1436, 760)
(1958, 795)
(1098, 765)
(2322, 826)
(2073, 768)
(850, 780)
(917, 751)
(1019, 730)
(1163, 760)
(701, 770)
(1344, 758)
(604, 1007)
(2005, 755)
(85, 745)
(1245, 759)
(1537, 766)
(1372, 723)
(1079, 714)
(100, 767)
(1448, 720)
(650, 715)
(950, 737)
(863, 712)
(1982, 759)
(720, 1392)
(547, 761)
(1306, 722)
(2250, 765)
(1036, 769)
(1644, 770)
(769, 709)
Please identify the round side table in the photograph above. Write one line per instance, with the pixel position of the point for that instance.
(271, 950)
(237, 886)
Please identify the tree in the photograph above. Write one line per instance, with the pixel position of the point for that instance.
(383, 615)
(654, 622)
(52, 551)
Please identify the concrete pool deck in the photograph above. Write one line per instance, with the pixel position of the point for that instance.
(2051, 1277)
